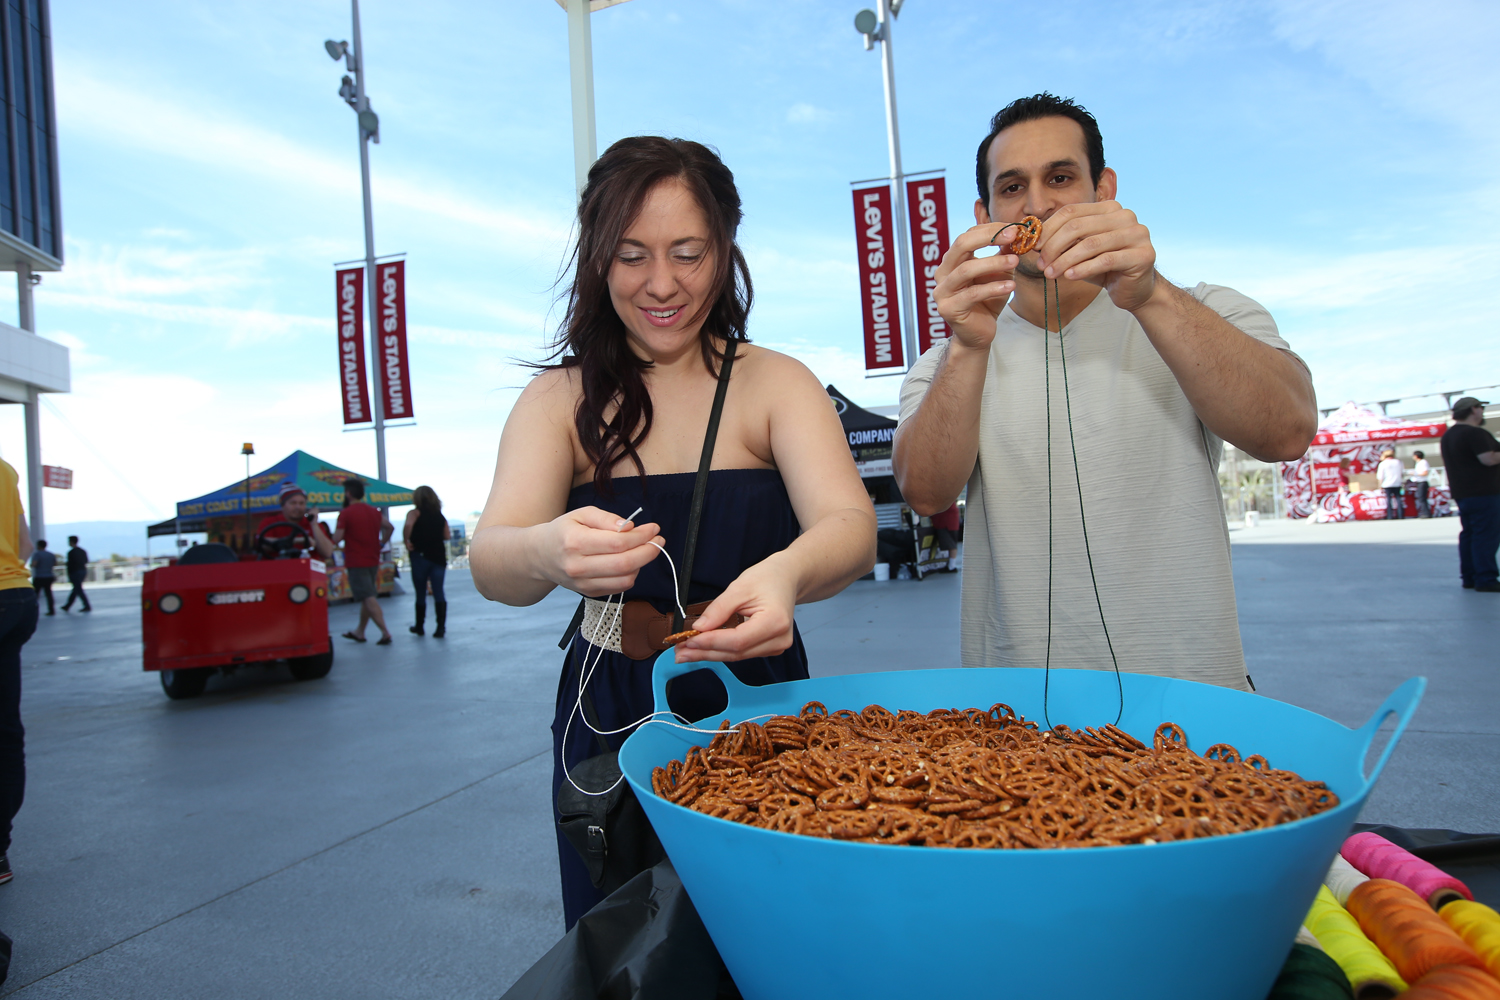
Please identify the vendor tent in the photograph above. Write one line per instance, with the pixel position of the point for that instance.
(1312, 482)
(321, 481)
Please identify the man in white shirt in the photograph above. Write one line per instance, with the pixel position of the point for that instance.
(1389, 474)
(1157, 379)
(1421, 478)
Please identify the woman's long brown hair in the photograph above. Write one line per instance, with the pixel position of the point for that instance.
(593, 339)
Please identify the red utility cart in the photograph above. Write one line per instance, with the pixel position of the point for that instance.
(213, 612)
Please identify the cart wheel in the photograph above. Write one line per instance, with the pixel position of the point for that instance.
(180, 684)
(310, 668)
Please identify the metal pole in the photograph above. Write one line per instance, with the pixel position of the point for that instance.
(247, 502)
(893, 135)
(363, 104)
(581, 77)
(33, 413)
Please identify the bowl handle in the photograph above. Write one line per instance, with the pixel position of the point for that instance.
(1402, 703)
(741, 695)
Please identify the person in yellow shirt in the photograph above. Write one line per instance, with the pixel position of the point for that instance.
(18, 615)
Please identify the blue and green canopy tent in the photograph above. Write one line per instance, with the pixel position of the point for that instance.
(323, 482)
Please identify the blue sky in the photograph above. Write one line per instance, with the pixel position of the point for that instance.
(1333, 159)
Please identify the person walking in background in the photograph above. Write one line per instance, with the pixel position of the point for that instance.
(78, 571)
(44, 574)
(362, 530)
(1420, 480)
(1390, 473)
(426, 533)
(18, 611)
(1472, 457)
(945, 529)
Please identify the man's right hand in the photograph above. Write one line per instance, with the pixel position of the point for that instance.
(972, 291)
(595, 553)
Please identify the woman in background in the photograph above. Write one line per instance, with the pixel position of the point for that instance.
(426, 535)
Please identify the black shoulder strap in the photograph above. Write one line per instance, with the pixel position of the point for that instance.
(700, 485)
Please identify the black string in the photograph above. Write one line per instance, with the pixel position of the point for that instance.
(1082, 520)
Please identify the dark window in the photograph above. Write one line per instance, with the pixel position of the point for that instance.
(39, 77)
(20, 94)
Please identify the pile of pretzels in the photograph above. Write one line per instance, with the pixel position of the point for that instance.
(971, 778)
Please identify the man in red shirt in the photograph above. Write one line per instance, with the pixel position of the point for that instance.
(363, 529)
(294, 511)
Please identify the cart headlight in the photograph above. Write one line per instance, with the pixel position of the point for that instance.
(170, 604)
(299, 593)
(322, 592)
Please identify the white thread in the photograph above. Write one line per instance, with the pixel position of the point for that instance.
(586, 673)
(1341, 879)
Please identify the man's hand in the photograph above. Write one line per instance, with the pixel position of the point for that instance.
(1104, 244)
(972, 291)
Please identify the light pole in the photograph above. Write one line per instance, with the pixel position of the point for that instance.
(877, 28)
(353, 92)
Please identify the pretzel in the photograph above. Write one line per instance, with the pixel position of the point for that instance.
(1025, 240)
(975, 779)
(677, 637)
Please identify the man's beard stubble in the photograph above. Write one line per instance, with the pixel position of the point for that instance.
(1027, 268)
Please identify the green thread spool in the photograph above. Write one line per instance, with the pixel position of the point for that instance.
(1308, 974)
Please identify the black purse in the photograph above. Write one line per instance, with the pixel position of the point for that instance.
(610, 831)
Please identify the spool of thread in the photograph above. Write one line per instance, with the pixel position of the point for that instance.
(1342, 877)
(1370, 973)
(1310, 975)
(1406, 929)
(1379, 858)
(1305, 936)
(1454, 982)
(1479, 926)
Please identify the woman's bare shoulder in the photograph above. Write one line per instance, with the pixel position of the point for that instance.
(552, 390)
(764, 364)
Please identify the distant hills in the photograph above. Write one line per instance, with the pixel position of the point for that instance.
(105, 538)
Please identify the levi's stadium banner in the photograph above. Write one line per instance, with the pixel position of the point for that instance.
(352, 384)
(927, 205)
(874, 230)
(395, 375)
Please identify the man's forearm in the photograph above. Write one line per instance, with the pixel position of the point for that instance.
(1252, 395)
(934, 452)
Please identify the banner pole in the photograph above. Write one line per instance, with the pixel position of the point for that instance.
(373, 306)
(898, 193)
(581, 80)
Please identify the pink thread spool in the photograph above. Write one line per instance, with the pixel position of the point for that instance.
(1379, 858)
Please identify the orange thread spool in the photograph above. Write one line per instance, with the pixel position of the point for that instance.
(1406, 929)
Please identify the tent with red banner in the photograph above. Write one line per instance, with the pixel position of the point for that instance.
(1352, 432)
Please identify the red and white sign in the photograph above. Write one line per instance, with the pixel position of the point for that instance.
(1325, 478)
(1359, 435)
(927, 205)
(875, 235)
(394, 373)
(352, 385)
(57, 477)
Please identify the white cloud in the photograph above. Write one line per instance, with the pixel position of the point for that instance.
(808, 114)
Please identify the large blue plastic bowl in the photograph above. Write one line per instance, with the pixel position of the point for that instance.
(798, 917)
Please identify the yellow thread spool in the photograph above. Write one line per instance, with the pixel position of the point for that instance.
(1479, 926)
(1370, 972)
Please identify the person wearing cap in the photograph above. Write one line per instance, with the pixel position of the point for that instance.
(1472, 457)
(1095, 530)
(1390, 474)
(294, 510)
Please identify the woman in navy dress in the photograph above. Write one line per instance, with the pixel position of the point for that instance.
(618, 423)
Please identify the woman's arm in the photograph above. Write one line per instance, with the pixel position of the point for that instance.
(411, 519)
(837, 544)
(526, 541)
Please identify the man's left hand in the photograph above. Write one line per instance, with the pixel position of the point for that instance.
(1102, 243)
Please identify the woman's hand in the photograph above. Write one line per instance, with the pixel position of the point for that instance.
(594, 552)
(766, 595)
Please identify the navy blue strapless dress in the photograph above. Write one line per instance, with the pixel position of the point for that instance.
(747, 516)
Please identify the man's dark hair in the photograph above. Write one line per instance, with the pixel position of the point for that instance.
(355, 488)
(72, 539)
(41, 543)
(1462, 415)
(1417, 454)
(1043, 105)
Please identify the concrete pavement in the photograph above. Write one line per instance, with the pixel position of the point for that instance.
(384, 832)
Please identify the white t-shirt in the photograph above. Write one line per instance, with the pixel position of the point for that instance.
(1421, 471)
(1390, 472)
(1149, 470)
